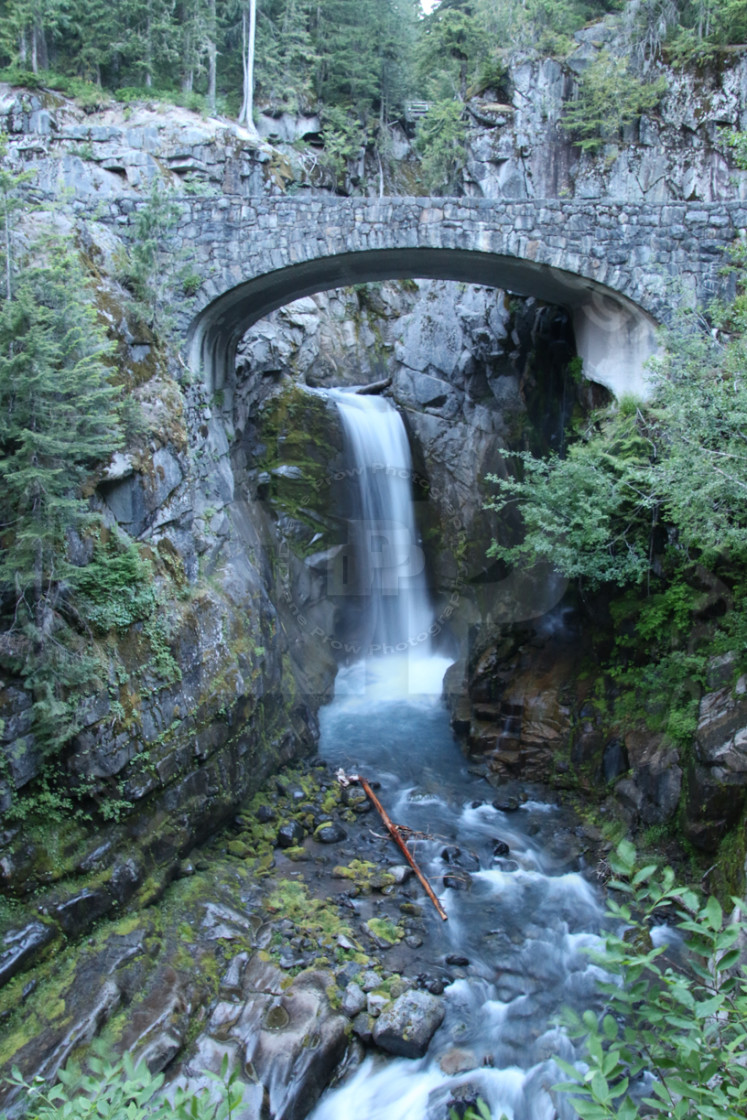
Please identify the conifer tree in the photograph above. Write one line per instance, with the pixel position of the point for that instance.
(58, 418)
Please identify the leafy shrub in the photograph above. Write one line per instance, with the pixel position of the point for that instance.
(123, 1090)
(672, 1036)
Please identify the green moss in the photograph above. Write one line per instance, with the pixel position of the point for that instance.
(384, 930)
(366, 876)
(728, 876)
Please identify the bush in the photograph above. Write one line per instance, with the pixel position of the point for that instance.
(671, 1039)
(121, 1089)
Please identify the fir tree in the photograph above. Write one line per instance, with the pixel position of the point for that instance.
(58, 418)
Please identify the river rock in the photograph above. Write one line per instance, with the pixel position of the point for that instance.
(407, 1026)
(353, 1000)
(330, 833)
(290, 834)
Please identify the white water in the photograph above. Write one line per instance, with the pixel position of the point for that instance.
(387, 577)
(523, 929)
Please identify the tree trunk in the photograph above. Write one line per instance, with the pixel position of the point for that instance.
(248, 36)
(212, 53)
(149, 49)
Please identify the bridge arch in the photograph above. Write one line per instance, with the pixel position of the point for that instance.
(614, 335)
(607, 262)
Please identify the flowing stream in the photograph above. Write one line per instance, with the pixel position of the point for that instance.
(516, 935)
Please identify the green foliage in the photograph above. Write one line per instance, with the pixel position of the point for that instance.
(670, 1037)
(703, 26)
(591, 513)
(441, 144)
(610, 96)
(678, 463)
(737, 142)
(479, 1111)
(120, 1089)
(117, 586)
(344, 139)
(151, 265)
(58, 417)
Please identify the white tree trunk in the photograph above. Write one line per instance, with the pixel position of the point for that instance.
(212, 53)
(248, 37)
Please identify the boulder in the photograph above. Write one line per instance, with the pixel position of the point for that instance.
(407, 1025)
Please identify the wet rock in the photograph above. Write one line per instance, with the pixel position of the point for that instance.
(294, 1044)
(461, 1101)
(500, 848)
(363, 1027)
(265, 813)
(457, 960)
(232, 977)
(413, 940)
(656, 773)
(713, 805)
(370, 980)
(20, 947)
(77, 913)
(290, 835)
(458, 881)
(506, 804)
(456, 1061)
(330, 833)
(461, 857)
(614, 760)
(407, 1025)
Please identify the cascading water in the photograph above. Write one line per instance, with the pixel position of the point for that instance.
(384, 577)
(520, 928)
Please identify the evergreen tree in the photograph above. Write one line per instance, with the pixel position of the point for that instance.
(58, 418)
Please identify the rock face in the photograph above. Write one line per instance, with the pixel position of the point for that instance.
(519, 150)
(717, 773)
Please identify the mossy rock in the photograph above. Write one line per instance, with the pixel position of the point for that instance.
(384, 932)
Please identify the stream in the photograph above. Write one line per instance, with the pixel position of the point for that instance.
(519, 917)
(519, 931)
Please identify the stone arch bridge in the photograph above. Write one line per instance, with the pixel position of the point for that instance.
(612, 264)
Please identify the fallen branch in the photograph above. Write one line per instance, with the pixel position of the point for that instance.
(394, 831)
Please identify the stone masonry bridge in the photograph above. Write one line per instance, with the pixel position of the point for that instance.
(616, 266)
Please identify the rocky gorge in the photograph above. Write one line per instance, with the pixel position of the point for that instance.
(150, 926)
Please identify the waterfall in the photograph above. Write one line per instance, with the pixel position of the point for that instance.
(383, 574)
